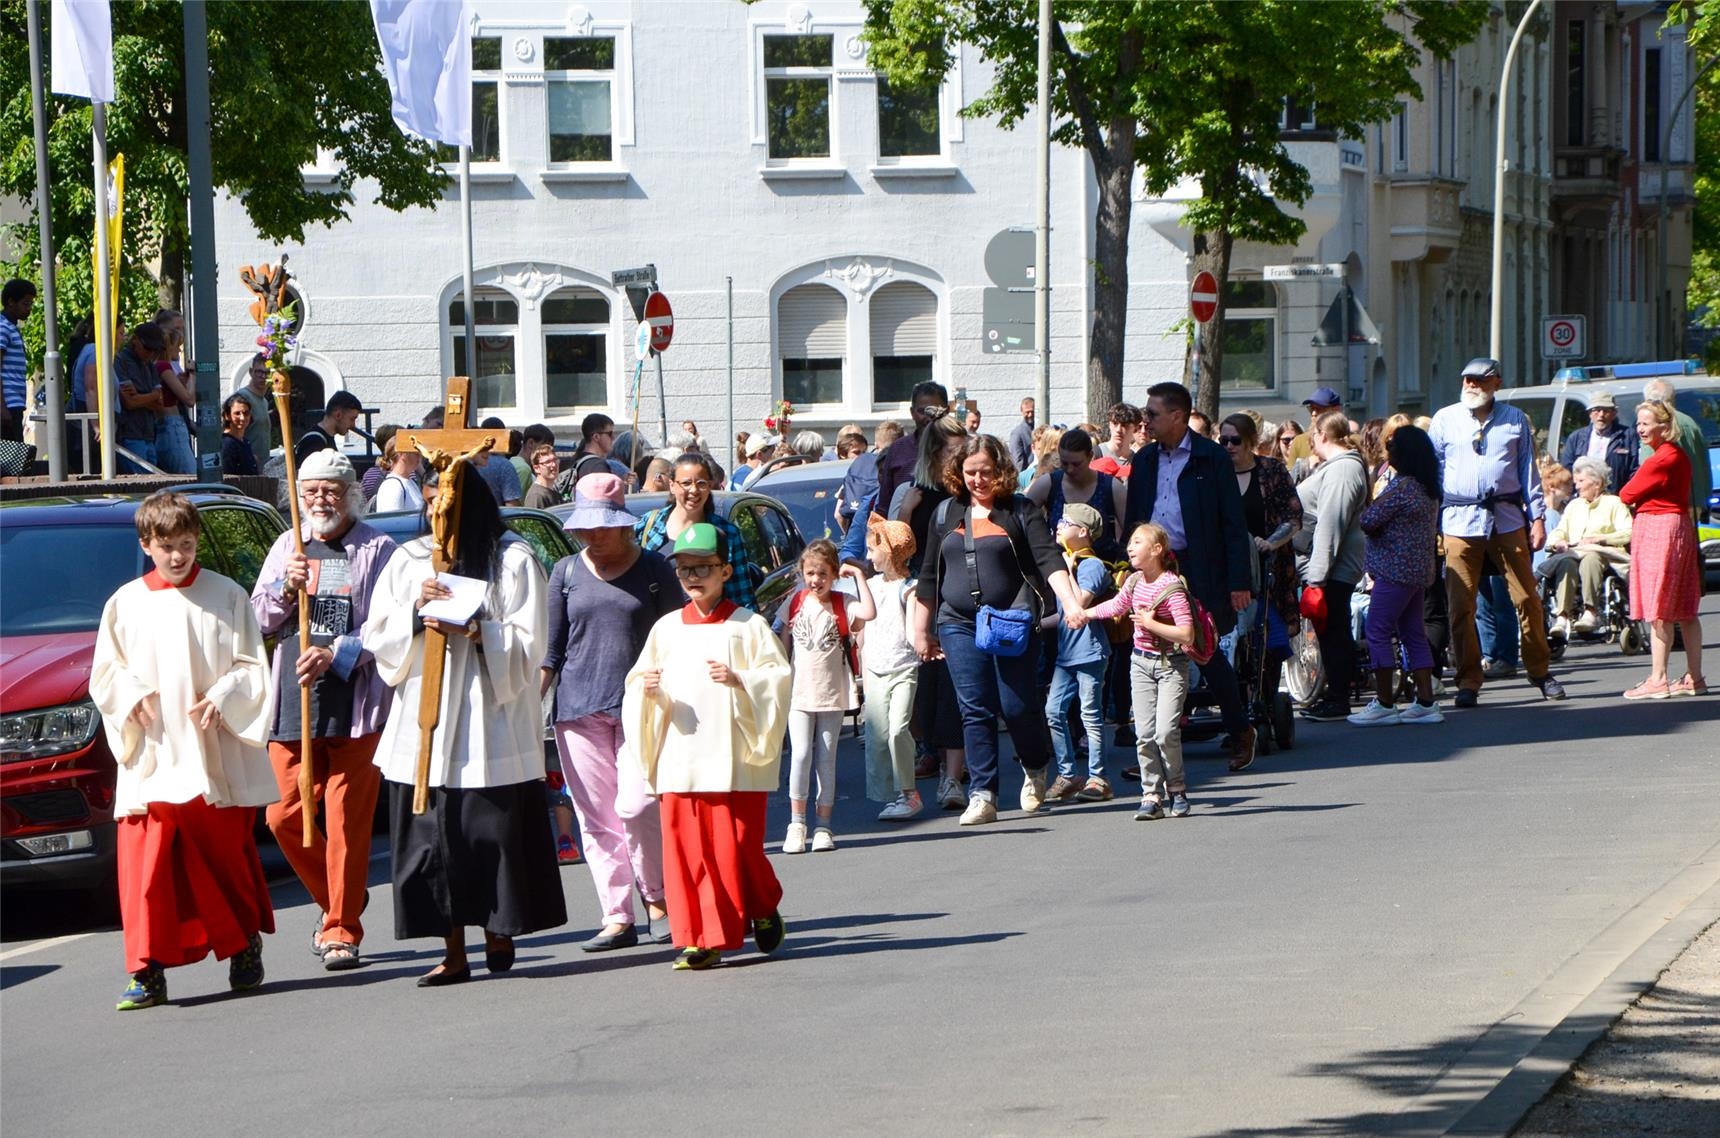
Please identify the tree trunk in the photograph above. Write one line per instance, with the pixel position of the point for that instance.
(170, 285)
(1215, 259)
(1110, 279)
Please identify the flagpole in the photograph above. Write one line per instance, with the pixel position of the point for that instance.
(466, 246)
(106, 332)
(51, 370)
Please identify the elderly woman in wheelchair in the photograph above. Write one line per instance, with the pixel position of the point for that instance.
(1590, 544)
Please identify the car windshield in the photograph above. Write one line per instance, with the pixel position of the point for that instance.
(811, 503)
(1703, 406)
(58, 578)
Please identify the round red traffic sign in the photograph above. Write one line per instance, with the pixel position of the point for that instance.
(1562, 332)
(661, 318)
(1203, 297)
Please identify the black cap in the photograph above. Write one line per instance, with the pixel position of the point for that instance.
(1482, 368)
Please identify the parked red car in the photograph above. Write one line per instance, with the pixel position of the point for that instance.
(60, 561)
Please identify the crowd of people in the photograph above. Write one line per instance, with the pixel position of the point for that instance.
(1045, 582)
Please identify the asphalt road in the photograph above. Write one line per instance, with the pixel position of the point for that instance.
(1355, 937)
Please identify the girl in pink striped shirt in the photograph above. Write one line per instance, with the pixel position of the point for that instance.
(1157, 601)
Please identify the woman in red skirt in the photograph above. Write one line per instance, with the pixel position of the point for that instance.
(1665, 572)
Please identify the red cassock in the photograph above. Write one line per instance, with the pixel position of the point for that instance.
(716, 878)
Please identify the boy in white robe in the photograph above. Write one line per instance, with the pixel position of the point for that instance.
(705, 711)
(181, 680)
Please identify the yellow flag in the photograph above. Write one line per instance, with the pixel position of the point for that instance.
(104, 331)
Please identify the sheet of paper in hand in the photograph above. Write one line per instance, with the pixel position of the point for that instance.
(468, 598)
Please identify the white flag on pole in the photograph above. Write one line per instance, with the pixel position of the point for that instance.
(427, 56)
(81, 59)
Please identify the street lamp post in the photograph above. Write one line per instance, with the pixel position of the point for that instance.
(1496, 325)
(1662, 306)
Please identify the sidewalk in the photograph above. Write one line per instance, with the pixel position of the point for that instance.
(1657, 1071)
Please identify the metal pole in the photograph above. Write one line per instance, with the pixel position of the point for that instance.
(662, 403)
(106, 347)
(1496, 324)
(471, 361)
(1662, 325)
(729, 286)
(1042, 232)
(203, 316)
(51, 372)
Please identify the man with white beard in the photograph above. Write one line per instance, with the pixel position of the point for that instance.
(1492, 507)
(339, 568)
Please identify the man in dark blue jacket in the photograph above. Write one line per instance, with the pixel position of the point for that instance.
(1187, 484)
(1617, 446)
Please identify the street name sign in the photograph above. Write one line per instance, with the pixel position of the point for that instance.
(1302, 272)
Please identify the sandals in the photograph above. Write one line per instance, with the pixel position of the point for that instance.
(337, 956)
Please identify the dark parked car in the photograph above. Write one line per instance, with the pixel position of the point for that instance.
(542, 530)
(769, 530)
(60, 561)
(809, 490)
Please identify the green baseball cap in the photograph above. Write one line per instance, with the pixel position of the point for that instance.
(702, 539)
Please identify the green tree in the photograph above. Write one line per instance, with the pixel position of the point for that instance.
(286, 82)
(1174, 91)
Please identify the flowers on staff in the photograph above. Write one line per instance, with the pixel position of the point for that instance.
(277, 339)
(777, 421)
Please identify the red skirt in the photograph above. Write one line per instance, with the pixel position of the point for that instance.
(716, 878)
(1665, 568)
(190, 883)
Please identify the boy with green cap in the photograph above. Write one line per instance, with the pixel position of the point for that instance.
(705, 711)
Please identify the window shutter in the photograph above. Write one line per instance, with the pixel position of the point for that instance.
(904, 320)
(812, 323)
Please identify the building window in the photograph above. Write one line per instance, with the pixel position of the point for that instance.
(1400, 139)
(1651, 106)
(486, 103)
(904, 340)
(1296, 115)
(580, 74)
(576, 349)
(1574, 103)
(1250, 335)
(496, 317)
(812, 343)
(908, 125)
(798, 78)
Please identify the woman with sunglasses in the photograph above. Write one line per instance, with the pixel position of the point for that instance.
(1287, 432)
(690, 502)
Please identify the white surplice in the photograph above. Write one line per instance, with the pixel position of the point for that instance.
(182, 645)
(490, 732)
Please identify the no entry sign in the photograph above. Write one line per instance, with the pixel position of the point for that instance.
(661, 318)
(1203, 297)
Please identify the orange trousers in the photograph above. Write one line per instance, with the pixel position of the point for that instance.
(336, 866)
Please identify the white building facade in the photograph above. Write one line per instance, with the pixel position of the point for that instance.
(826, 241)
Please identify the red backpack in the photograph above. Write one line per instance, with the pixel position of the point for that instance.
(841, 609)
(1205, 641)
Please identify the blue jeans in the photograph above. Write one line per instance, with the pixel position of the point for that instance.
(142, 448)
(173, 445)
(990, 688)
(1496, 621)
(1088, 682)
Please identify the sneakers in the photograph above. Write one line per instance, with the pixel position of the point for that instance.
(951, 796)
(768, 933)
(1497, 669)
(147, 989)
(566, 853)
(1550, 688)
(1328, 711)
(1465, 697)
(980, 810)
(1561, 628)
(1421, 713)
(906, 806)
(1063, 789)
(1689, 686)
(823, 841)
(697, 959)
(927, 764)
(1033, 791)
(1179, 804)
(1376, 714)
(1150, 810)
(1590, 621)
(1095, 790)
(1648, 689)
(795, 840)
(245, 969)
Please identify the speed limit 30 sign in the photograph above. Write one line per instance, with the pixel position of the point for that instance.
(1563, 338)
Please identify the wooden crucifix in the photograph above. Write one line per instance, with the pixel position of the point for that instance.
(444, 450)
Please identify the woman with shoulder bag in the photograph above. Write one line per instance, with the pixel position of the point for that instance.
(991, 569)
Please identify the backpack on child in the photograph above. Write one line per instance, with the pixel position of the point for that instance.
(1119, 629)
(1205, 641)
(839, 608)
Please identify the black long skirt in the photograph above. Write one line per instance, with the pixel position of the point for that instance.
(482, 857)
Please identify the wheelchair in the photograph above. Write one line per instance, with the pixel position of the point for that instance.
(1616, 626)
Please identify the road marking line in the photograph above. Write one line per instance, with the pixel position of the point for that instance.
(38, 945)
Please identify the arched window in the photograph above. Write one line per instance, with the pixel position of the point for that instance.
(1250, 335)
(496, 317)
(904, 340)
(812, 341)
(576, 350)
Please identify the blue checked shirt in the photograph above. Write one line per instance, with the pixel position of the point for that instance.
(652, 530)
(1481, 459)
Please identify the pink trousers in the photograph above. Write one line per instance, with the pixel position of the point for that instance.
(620, 833)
